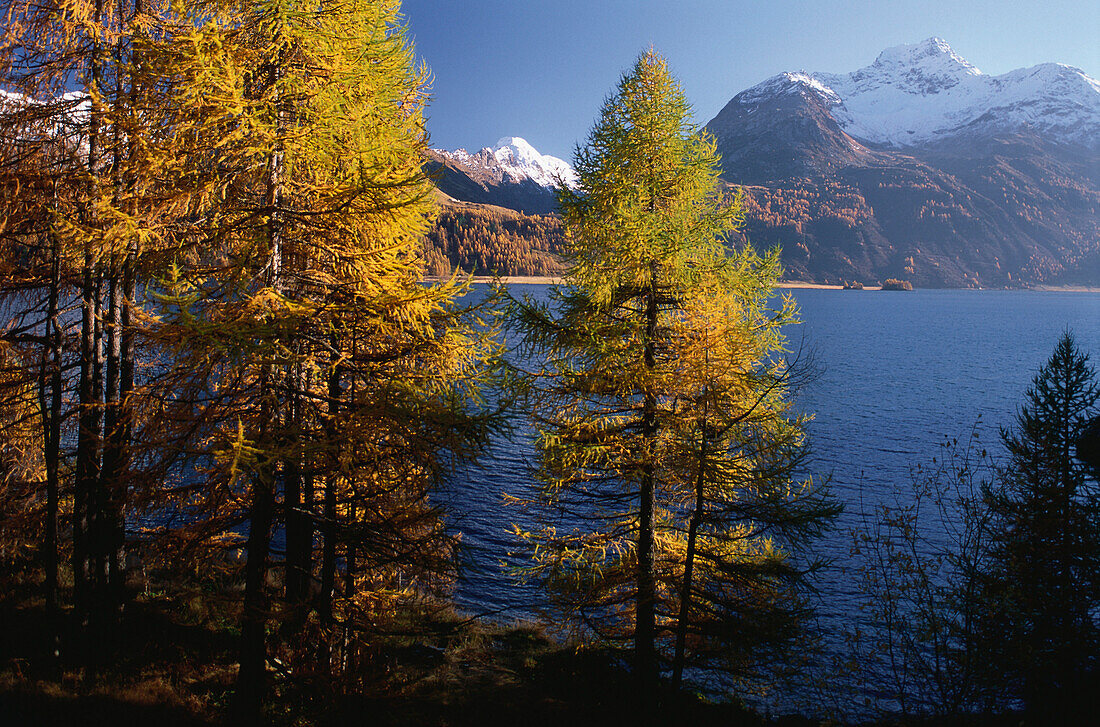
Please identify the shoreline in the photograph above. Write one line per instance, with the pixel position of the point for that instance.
(803, 285)
(784, 284)
(1064, 288)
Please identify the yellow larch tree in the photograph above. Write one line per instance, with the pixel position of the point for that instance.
(327, 386)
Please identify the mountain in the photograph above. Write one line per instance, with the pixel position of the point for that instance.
(914, 95)
(920, 166)
(510, 174)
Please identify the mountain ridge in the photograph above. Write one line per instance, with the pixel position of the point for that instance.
(914, 94)
(512, 173)
(922, 167)
(917, 166)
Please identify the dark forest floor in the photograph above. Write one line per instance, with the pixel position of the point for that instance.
(172, 663)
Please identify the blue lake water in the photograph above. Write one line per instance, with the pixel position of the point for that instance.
(898, 372)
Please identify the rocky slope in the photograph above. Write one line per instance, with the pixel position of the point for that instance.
(510, 174)
(921, 166)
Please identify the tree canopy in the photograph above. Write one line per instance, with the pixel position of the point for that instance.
(1042, 585)
(668, 456)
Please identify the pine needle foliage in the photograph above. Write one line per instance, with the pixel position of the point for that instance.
(329, 388)
(1042, 588)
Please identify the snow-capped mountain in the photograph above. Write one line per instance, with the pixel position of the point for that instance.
(512, 173)
(514, 160)
(918, 166)
(519, 158)
(63, 117)
(922, 167)
(917, 94)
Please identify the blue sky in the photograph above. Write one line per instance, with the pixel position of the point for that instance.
(540, 69)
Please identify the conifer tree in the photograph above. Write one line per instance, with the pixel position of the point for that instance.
(30, 351)
(666, 448)
(327, 386)
(77, 214)
(734, 459)
(1042, 586)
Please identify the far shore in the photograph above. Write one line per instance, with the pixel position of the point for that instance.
(554, 280)
(520, 279)
(815, 286)
(1065, 288)
(785, 284)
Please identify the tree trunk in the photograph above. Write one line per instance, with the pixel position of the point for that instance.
(328, 555)
(251, 681)
(645, 628)
(298, 536)
(117, 418)
(299, 518)
(97, 499)
(349, 594)
(251, 685)
(51, 421)
(125, 420)
(689, 559)
(88, 430)
(328, 558)
(111, 475)
(87, 450)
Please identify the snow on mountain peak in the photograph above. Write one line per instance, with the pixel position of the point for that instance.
(933, 54)
(516, 155)
(804, 79)
(518, 147)
(915, 94)
(513, 157)
(799, 82)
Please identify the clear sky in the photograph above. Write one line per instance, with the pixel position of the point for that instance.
(540, 69)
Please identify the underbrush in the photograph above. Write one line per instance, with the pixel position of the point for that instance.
(172, 661)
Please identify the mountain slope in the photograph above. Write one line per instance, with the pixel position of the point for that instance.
(485, 239)
(510, 174)
(920, 166)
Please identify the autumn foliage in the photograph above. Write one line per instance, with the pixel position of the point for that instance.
(217, 355)
(486, 240)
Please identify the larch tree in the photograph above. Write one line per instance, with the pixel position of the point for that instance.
(30, 295)
(736, 464)
(75, 226)
(667, 451)
(327, 386)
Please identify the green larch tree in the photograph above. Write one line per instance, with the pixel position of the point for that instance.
(667, 452)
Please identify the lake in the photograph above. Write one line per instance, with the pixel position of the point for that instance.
(899, 371)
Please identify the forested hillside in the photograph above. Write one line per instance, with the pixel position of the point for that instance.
(483, 240)
(1013, 220)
